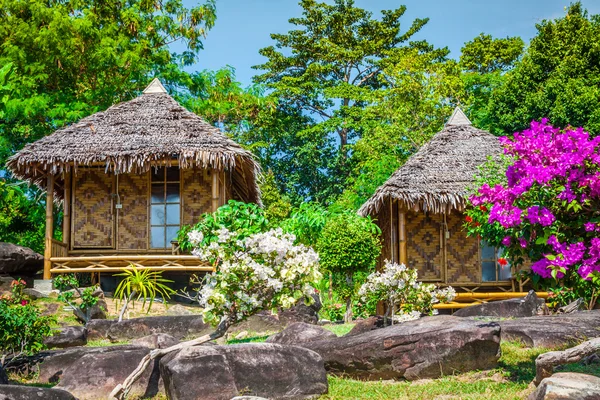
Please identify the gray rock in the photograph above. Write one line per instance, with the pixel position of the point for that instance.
(301, 312)
(260, 324)
(98, 311)
(552, 330)
(258, 369)
(568, 386)
(156, 341)
(3, 376)
(70, 336)
(574, 306)
(18, 392)
(300, 332)
(16, 260)
(178, 309)
(529, 306)
(426, 348)
(34, 294)
(179, 327)
(92, 373)
(368, 324)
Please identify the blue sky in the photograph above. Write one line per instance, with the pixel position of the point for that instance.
(243, 26)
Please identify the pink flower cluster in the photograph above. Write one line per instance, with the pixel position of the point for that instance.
(552, 192)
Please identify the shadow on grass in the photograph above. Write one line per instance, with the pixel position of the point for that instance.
(254, 339)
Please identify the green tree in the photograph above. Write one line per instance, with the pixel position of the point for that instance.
(558, 77)
(348, 249)
(277, 206)
(327, 67)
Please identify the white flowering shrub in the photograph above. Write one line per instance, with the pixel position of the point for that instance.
(258, 272)
(408, 299)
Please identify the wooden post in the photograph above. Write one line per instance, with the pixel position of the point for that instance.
(49, 226)
(215, 189)
(392, 236)
(67, 210)
(402, 223)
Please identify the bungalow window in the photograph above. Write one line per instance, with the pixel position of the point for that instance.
(164, 207)
(491, 269)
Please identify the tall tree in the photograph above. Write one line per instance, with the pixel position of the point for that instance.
(72, 58)
(327, 68)
(558, 77)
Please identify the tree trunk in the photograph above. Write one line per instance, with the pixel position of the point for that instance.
(133, 293)
(121, 390)
(348, 313)
(545, 363)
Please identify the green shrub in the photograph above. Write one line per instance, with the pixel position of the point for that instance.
(243, 218)
(22, 329)
(66, 284)
(306, 223)
(348, 248)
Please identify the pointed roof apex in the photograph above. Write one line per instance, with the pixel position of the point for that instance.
(458, 117)
(155, 87)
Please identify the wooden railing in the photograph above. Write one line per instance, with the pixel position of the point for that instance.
(59, 249)
(119, 263)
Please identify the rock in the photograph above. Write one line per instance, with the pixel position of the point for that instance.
(34, 294)
(529, 306)
(16, 260)
(156, 341)
(18, 392)
(98, 311)
(179, 327)
(99, 293)
(301, 312)
(257, 369)
(3, 376)
(50, 308)
(70, 336)
(577, 305)
(300, 332)
(552, 330)
(178, 309)
(92, 373)
(248, 398)
(367, 324)
(568, 386)
(260, 324)
(545, 363)
(241, 335)
(429, 347)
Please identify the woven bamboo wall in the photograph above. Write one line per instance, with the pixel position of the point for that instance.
(462, 253)
(132, 228)
(196, 194)
(93, 224)
(423, 247)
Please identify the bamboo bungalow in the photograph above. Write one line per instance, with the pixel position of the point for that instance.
(129, 177)
(420, 211)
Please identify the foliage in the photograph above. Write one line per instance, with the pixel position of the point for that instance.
(253, 273)
(327, 67)
(546, 207)
(67, 284)
(244, 219)
(306, 223)
(557, 77)
(16, 291)
(277, 206)
(144, 284)
(348, 247)
(404, 296)
(22, 328)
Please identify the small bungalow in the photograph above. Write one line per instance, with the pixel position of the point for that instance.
(129, 178)
(420, 211)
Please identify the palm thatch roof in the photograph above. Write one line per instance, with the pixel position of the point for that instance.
(437, 177)
(134, 136)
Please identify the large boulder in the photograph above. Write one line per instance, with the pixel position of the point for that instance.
(70, 336)
(552, 330)
(426, 348)
(18, 392)
(178, 326)
(300, 332)
(259, 369)
(98, 311)
(528, 306)
(93, 372)
(156, 341)
(261, 324)
(19, 261)
(368, 324)
(568, 386)
(301, 312)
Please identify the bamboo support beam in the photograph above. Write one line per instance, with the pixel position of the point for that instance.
(215, 189)
(67, 210)
(402, 238)
(128, 258)
(496, 295)
(49, 227)
(129, 268)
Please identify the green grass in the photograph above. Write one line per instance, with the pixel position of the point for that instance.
(339, 329)
(105, 343)
(252, 339)
(511, 380)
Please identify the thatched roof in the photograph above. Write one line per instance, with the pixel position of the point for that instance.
(133, 136)
(436, 178)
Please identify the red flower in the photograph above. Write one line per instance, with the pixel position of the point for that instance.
(23, 302)
(468, 219)
(483, 208)
(477, 224)
(502, 261)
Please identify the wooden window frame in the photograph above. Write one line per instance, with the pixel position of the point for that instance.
(482, 243)
(165, 226)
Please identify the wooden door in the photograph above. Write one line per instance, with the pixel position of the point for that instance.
(93, 217)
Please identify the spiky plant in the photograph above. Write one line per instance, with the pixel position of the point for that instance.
(144, 284)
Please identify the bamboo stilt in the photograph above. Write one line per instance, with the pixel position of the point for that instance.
(67, 210)
(402, 223)
(49, 227)
(215, 190)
